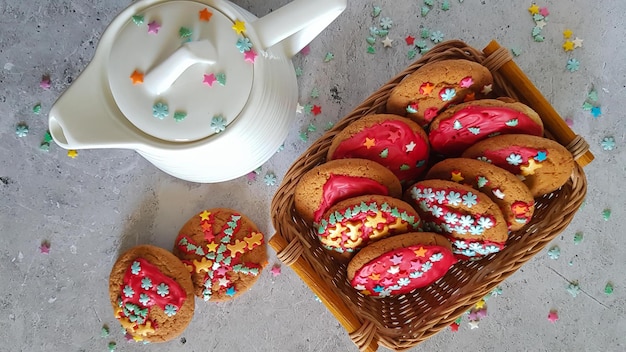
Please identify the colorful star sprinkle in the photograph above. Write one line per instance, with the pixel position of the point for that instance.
(138, 19)
(205, 15)
(45, 82)
(553, 316)
(136, 77)
(153, 27)
(44, 248)
(409, 40)
(209, 79)
(568, 45)
(275, 270)
(239, 27)
(387, 42)
(72, 153)
(250, 56)
(577, 42)
(539, 15)
(316, 110)
(608, 288)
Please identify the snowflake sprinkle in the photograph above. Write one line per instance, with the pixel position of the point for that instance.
(572, 65)
(608, 143)
(436, 36)
(218, 123)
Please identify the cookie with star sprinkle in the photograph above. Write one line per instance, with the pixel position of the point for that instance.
(151, 294)
(400, 264)
(353, 223)
(510, 194)
(460, 126)
(437, 85)
(329, 183)
(468, 218)
(393, 141)
(542, 164)
(224, 252)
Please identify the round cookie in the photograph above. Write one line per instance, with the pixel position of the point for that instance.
(471, 220)
(151, 293)
(400, 264)
(460, 126)
(393, 141)
(542, 164)
(353, 223)
(507, 191)
(223, 250)
(437, 85)
(336, 180)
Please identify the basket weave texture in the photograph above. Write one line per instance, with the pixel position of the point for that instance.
(401, 322)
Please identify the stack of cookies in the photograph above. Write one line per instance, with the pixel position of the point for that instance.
(445, 175)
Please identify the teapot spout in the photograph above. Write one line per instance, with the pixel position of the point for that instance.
(296, 24)
(85, 116)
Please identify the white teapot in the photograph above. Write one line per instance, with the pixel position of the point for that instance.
(204, 90)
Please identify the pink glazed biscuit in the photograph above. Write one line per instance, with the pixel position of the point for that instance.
(393, 141)
(463, 125)
(400, 264)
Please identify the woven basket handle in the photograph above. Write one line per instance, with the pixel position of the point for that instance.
(290, 255)
(526, 89)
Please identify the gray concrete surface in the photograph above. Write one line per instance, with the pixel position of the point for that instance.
(94, 206)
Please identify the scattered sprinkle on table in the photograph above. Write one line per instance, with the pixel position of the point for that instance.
(21, 130)
(608, 143)
(276, 270)
(553, 316)
(577, 42)
(298, 71)
(445, 5)
(328, 126)
(328, 57)
(304, 136)
(572, 65)
(387, 42)
(112, 346)
(436, 36)
(376, 11)
(45, 82)
(37, 109)
(573, 288)
(299, 108)
(386, 23)
(608, 288)
(409, 40)
(104, 332)
(316, 110)
(308, 108)
(496, 291)
(567, 33)
(554, 252)
(44, 247)
(606, 214)
(569, 121)
(473, 324)
(454, 327)
(516, 52)
(270, 179)
(311, 128)
(72, 153)
(596, 111)
(578, 238)
(315, 93)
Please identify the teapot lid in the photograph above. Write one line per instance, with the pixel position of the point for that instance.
(181, 71)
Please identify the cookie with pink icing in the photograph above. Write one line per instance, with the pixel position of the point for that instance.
(400, 264)
(151, 293)
(327, 184)
(393, 141)
(436, 85)
(504, 189)
(353, 223)
(468, 218)
(460, 126)
(542, 164)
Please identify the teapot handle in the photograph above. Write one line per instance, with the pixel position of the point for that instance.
(296, 24)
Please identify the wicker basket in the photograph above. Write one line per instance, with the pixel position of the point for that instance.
(404, 321)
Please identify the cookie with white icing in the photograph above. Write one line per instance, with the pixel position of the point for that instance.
(400, 264)
(436, 85)
(460, 126)
(393, 141)
(468, 218)
(504, 189)
(542, 164)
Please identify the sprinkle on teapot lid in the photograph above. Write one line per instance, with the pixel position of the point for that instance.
(181, 71)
